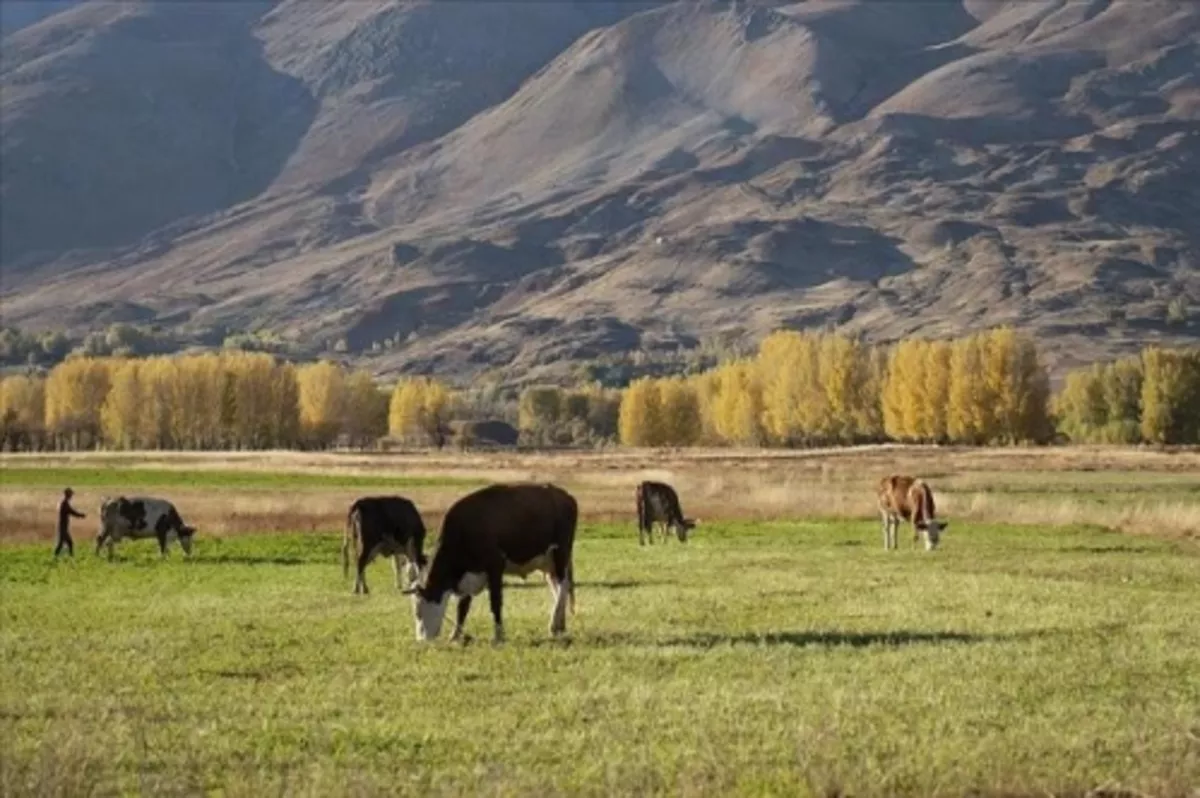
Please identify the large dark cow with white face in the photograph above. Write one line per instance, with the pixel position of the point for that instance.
(140, 517)
(383, 526)
(498, 530)
(902, 497)
(657, 503)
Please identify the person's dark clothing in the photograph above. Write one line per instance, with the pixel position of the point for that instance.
(65, 511)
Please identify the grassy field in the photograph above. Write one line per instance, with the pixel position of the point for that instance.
(783, 658)
(781, 651)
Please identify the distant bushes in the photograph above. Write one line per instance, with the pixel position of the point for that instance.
(1153, 397)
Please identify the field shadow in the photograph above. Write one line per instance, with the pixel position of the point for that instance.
(1107, 549)
(831, 639)
(602, 584)
(246, 559)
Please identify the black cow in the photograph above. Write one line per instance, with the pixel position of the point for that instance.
(498, 530)
(657, 502)
(387, 526)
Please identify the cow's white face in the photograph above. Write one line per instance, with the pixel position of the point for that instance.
(428, 615)
(933, 534)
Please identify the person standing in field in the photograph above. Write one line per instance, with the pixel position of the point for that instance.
(65, 511)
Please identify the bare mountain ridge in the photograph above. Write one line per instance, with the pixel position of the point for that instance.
(530, 183)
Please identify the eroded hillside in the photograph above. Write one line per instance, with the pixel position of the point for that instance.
(524, 184)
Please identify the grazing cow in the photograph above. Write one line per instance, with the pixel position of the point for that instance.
(910, 499)
(498, 530)
(657, 502)
(387, 526)
(140, 517)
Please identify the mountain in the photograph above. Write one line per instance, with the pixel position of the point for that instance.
(527, 184)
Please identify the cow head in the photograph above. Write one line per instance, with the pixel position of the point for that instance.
(682, 528)
(933, 532)
(428, 611)
(185, 538)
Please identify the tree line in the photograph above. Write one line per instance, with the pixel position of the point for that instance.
(797, 389)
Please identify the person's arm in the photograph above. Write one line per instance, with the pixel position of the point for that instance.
(75, 512)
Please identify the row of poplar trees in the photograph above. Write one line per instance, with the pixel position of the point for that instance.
(799, 389)
(809, 389)
(227, 400)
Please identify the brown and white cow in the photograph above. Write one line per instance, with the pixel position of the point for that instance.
(657, 503)
(902, 497)
(140, 517)
(383, 526)
(501, 529)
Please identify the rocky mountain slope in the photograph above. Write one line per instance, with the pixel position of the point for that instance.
(525, 184)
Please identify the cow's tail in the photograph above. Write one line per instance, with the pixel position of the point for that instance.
(641, 508)
(571, 584)
(351, 537)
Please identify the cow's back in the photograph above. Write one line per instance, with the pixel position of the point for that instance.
(893, 495)
(661, 502)
(517, 522)
(389, 513)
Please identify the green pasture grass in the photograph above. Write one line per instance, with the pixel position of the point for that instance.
(137, 478)
(761, 659)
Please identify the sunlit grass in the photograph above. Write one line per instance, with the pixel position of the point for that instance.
(792, 658)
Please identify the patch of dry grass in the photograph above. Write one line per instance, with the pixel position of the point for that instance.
(1133, 489)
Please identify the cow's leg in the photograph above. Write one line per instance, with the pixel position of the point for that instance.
(398, 567)
(360, 581)
(495, 596)
(162, 543)
(410, 553)
(887, 529)
(460, 618)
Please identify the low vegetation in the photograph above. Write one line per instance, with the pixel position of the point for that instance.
(791, 657)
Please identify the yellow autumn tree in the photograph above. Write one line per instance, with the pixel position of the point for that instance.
(75, 393)
(1017, 386)
(971, 413)
(201, 401)
(257, 394)
(680, 412)
(366, 419)
(120, 417)
(795, 402)
(419, 408)
(323, 401)
(22, 412)
(1171, 395)
(640, 422)
(285, 397)
(707, 387)
(1080, 406)
(900, 391)
(739, 408)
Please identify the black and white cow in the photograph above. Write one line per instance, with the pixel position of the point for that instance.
(383, 526)
(658, 503)
(141, 517)
(498, 530)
